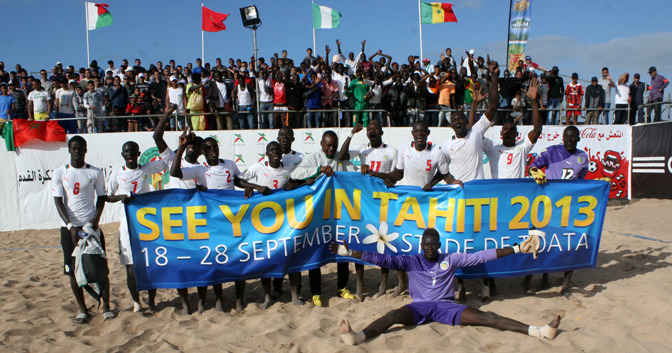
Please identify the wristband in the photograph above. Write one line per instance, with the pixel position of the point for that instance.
(351, 135)
(343, 252)
(516, 248)
(69, 226)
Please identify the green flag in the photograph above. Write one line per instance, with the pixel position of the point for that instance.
(8, 135)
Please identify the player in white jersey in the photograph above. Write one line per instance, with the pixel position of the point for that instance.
(508, 159)
(218, 174)
(380, 158)
(465, 152)
(191, 155)
(125, 181)
(312, 167)
(419, 162)
(79, 194)
(290, 158)
(273, 174)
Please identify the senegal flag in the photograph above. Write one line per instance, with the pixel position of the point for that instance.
(97, 15)
(437, 12)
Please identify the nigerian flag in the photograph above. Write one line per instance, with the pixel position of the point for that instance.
(325, 17)
(98, 15)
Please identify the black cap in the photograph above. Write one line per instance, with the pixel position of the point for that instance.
(594, 79)
(652, 69)
(637, 75)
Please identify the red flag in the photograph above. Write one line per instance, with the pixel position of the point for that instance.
(213, 21)
(25, 130)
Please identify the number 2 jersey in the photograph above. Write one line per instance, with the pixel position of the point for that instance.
(218, 177)
(561, 164)
(79, 187)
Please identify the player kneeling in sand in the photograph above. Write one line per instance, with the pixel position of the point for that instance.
(431, 278)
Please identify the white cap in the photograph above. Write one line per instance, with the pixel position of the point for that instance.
(141, 75)
(471, 51)
(336, 59)
(173, 78)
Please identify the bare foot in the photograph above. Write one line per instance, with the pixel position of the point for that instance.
(544, 282)
(398, 290)
(297, 301)
(381, 290)
(350, 337)
(461, 296)
(152, 308)
(485, 293)
(265, 304)
(218, 305)
(360, 295)
(201, 307)
(239, 305)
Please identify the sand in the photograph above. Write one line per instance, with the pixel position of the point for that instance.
(621, 306)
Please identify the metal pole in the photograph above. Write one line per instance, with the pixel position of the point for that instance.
(314, 46)
(420, 25)
(508, 28)
(202, 42)
(86, 10)
(256, 79)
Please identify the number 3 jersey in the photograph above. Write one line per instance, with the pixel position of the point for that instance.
(79, 187)
(561, 164)
(265, 175)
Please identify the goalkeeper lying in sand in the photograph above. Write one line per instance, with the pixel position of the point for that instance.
(431, 286)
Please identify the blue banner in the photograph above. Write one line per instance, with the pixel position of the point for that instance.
(189, 238)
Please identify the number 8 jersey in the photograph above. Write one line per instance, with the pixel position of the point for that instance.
(79, 187)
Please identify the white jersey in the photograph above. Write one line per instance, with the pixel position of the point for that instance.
(382, 159)
(292, 159)
(218, 177)
(508, 162)
(311, 164)
(420, 166)
(265, 175)
(176, 183)
(79, 187)
(123, 181)
(466, 154)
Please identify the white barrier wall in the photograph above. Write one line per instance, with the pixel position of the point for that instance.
(25, 190)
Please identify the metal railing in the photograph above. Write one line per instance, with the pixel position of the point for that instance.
(415, 114)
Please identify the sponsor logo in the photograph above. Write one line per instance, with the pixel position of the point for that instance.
(444, 265)
(239, 138)
(309, 136)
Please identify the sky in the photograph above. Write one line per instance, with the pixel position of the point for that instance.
(575, 35)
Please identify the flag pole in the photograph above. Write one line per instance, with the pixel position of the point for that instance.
(202, 41)
(314, 51)
(420, 25)
(508, 29)
(86, 25)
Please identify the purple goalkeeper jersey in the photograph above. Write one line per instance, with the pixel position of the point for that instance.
(430, 281)
(561, 164)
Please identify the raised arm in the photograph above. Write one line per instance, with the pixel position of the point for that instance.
(338, 46)
(344, 153)
(532, 94)
(176, 168)
(493, 71)
(161, 128)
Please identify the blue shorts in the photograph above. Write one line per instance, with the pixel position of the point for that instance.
(443, 312)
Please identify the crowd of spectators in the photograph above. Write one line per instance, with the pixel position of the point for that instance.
(322, 91)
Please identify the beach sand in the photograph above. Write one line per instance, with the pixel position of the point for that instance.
(621, 306)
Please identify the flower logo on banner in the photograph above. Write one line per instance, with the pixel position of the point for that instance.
(381, 237)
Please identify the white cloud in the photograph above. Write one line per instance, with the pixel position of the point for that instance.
(570, 54)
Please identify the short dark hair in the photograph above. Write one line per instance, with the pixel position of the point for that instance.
(572, 127)
(605, 68)
(431, 232)
(76, 138)
(575, 76)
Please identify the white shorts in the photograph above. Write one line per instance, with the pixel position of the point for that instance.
(125, 253)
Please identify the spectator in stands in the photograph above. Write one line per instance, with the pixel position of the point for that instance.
(574, 93)
(637, 89)
(606, 84)
(20, 107)
(313, 100)
(94, 102)
(657, 87)
(38, 103)
(7, 104)
(622, 99)
(556, 92)
(594, 102)
(119, 98)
